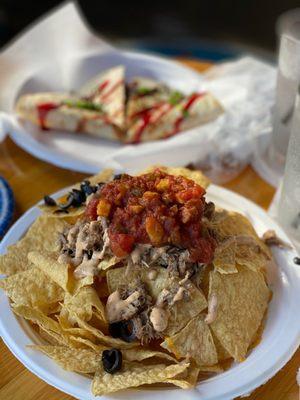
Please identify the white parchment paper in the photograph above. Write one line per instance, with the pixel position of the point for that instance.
(60, 52)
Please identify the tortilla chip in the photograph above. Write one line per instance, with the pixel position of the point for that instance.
(84, 303)
(180, 313)
(102, 338)
(140, 354)
(47, 262)
(194, 340)
(37, 317)
(133, 375)
(221, 351)
(106, 263)
(187, 379)
(250, 250)
(242, 301)
(41, 236)
(224, 258)
(76, 284)
(77, 360)
(211, 368)
(102, 176)
(196, 176)
(33, 288)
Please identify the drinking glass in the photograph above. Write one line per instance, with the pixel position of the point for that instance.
(289, 204)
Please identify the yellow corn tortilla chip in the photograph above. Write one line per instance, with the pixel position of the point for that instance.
(37, 317)
(242, 300)
(102, 176)
(85, 303)
(180, 313)
(102, 338)
(41, 236)
(225, 257)
(47, 262)
(33, 288)
(196, 176)
(77, 360)
(67, 337)
(194, 340)
(133, 375)
(187, 379)
(140, 354)
(221, 351)
(77, 284)
(107, 263)
(250, 250)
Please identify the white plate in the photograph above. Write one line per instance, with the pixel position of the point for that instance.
(86, 153)
(281, 336)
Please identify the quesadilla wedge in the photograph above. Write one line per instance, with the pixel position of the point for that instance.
(64, 112)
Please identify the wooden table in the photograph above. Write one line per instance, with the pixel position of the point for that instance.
(31, 179)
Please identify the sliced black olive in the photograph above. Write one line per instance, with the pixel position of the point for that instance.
(112, 360)
(49, 201)
(60, 211)
(297, 260)
(115, 329)
(87, 188)
(69, 203)
(118, 177)
(123, 330)
(78, 196)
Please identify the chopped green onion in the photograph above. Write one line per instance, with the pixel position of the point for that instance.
(87, 105)
(144, 90)
(175, 98)
(185, 113)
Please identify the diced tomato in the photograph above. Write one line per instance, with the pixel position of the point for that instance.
(91, 209)
(121, 244)
(155, 208)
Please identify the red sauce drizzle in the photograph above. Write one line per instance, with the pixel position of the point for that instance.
(146, 118)
(106, 95)
(102, 86)
(42, 110)
(186, 107)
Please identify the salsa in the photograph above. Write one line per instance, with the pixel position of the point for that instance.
(157, 209)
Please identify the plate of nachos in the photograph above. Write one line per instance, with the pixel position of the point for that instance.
(146, 285)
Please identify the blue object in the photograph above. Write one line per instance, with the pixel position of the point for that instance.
(6, 205)
(189, 48)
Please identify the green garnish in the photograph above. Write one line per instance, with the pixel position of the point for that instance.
(144, 90)
(185, 113)
(175, 98)
(85, 104)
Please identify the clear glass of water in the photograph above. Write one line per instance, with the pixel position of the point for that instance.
(289, 205)
(288, 79)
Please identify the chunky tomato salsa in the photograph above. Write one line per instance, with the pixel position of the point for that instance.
(157, 209)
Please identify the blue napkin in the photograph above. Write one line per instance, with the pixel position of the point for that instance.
(6, 205)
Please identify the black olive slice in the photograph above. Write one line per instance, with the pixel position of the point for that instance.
(78, 196)
(112, 360)
(123, 330)
(297, 260)
(68, 203)
(49, 201)
(87, 188)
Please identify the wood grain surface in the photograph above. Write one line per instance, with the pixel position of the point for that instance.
(30, 180)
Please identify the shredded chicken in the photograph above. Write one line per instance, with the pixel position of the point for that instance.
(84, 245)
(127, 301)
(270, 238)
(175, 259)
